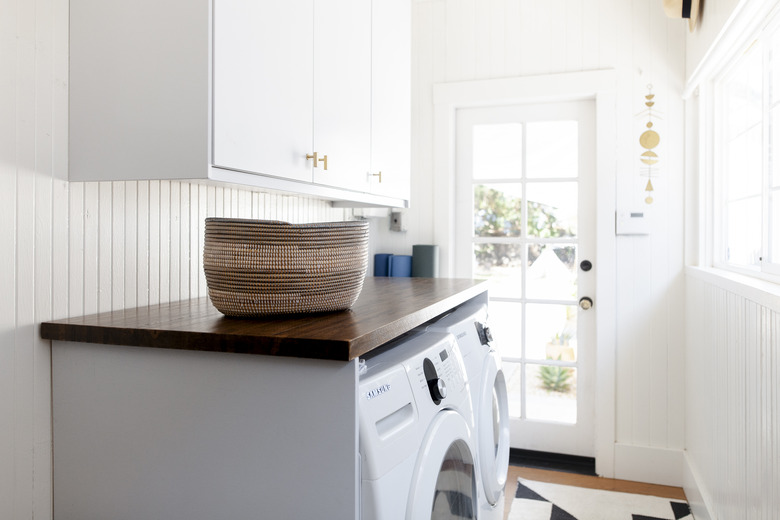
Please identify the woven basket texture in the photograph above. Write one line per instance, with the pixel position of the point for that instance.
(265, 267)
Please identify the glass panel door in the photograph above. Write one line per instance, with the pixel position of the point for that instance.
(525, 221)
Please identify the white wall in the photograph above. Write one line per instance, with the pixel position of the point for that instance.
(732, 370)
(460, 40)
(69, 249)
(733, 397)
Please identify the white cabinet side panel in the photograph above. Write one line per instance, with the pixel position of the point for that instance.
(139, 80)
(153, 433)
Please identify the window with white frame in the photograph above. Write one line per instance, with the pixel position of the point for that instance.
(747, 159)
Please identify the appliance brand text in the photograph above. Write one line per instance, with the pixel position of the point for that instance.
(378, 391)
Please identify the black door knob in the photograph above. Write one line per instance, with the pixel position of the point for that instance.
(586, 265)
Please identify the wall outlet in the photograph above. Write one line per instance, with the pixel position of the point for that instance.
(397, 221)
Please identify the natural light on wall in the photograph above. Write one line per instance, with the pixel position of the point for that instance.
(747, 162)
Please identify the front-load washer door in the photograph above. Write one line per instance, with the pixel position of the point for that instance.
(492, 415)
(444, 486)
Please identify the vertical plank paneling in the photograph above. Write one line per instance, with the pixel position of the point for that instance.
(76, 240)
(130, 253)
(41, 289)
(119, 244)
(60, 253)
(732, 394)
(23, 459)
(142, 241)
(185, 247)
(164, 241)
(174, 242)
(154, 242)
(195, 249)
(91, 246)
(105, 243)
(8, 190)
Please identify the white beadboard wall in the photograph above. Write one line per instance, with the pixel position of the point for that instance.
(68, 249)
(461, 40)
(732, 370)
(733, 397)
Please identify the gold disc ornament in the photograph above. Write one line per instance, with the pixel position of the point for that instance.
(649, 139)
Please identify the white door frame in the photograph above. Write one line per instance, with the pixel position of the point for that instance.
(599, 85)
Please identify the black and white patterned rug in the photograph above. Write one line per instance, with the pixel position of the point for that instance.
(542, 501)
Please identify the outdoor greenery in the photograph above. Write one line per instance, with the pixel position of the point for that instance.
(555, 379)
(498, 214)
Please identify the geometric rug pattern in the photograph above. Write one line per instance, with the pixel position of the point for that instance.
(544, 501)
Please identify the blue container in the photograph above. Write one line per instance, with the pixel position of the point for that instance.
(382, 264)
(400, 265)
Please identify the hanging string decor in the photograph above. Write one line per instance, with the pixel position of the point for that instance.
(648, 140)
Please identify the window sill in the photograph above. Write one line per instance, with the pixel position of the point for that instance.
(760, 291)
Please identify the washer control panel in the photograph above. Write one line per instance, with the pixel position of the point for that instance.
(440, 372)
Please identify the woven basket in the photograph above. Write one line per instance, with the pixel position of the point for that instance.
(262, 267)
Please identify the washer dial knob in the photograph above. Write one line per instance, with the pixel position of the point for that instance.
(438, 389)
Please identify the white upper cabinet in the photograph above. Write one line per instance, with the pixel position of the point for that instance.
(246, 92)
(342, 92)
(263, 90)
(391, 42)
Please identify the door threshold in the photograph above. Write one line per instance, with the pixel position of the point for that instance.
(553, 461)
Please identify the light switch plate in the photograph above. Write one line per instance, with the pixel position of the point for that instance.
(631, 223)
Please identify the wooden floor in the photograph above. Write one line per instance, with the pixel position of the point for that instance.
(572, 479)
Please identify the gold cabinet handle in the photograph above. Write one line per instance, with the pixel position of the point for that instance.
(323, 160)
(378, 175)
(313, 156)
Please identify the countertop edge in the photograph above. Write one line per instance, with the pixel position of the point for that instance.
(194, 325)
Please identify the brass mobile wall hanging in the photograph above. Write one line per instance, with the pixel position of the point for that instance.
(649, 140)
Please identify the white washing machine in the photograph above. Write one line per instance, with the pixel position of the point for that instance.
(416, 442)
(468, 323)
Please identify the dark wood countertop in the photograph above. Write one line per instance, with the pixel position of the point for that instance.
(386, 308)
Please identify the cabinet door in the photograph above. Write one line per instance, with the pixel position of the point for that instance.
(263, 86)
(391, 98)
(342, 92)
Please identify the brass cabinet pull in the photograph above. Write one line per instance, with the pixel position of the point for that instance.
(313, 156)
(378, 175)
(323, 160)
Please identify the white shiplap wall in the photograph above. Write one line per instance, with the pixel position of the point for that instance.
(462, 40)
(70, 249)
(733, 397)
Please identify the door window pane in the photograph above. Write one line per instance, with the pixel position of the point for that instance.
(498, 210)
(552, 149)
(506, 325)
(552, 209)
(513, 372)
(498, 151)
(551, 332)
(551, 393)
(502, 265)
(552, 272)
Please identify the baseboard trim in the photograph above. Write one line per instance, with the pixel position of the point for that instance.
(553, 461)
(694, 492)
(649, 464)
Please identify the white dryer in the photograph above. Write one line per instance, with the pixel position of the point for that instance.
(416, 442)
(468, 323)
